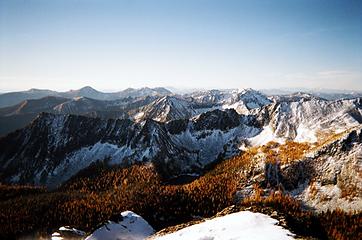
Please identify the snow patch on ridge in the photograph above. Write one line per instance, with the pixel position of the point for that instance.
(83, 157)
(236, 226)
(304, 134)
(264, 137)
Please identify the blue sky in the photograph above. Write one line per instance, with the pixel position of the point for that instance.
(112, 45)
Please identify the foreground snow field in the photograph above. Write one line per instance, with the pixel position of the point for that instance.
(241, 225)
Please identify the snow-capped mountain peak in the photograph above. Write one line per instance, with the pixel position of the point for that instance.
(165, 109)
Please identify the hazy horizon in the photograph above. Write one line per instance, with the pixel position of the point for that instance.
(62, 45)
(190, 90)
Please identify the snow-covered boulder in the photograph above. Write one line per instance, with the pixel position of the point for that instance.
(236, 226)
(68, 233)
(129, 226)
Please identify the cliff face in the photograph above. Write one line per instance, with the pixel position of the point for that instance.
(55, 147)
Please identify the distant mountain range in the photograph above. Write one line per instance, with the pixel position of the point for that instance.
(64, 135)
(12, 98)
(329, 94)
(17, 109)
(136, 104)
